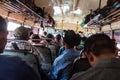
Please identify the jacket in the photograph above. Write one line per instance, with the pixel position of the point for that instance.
(105, 69)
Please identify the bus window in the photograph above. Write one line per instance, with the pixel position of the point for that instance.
(117, 37)
(109, 33)
(35, 30)
(11, 27)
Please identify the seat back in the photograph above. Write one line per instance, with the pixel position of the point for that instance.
(53, 51)
(46, 63)
(30, 58)
(80, 64)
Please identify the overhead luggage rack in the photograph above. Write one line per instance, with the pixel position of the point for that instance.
(16, 6)
(105, 15)
(113, 16)
(29, 9)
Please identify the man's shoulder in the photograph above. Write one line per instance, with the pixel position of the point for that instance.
(17, 68)
(80, 75)
(12, 61)
(105, 66)
(11, 58)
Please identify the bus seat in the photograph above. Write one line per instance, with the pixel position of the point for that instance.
(46, 53)
(81, 63)
(53, 51)
(25, 55)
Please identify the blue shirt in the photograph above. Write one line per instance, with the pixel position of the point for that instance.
(62, 65)
(13, 68)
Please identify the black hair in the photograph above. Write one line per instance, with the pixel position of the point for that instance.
(77, 39)
(45, 33)
(49, 37)
(69, 38)
(99, 44)
(35, 36)
(58, 37)
(84, 39)
(3, 24)
(31, 33)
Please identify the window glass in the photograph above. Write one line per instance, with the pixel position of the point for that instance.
(11, 27)
(117, 37)
(109, 33)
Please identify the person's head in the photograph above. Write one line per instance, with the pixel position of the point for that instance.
(99, 46)
(45, 33)
(84, 39)
(49, 37)
(77, 40)
(3, 34)
(69, 39)
(36, 36)
(31, 33)
(58, 37)
(22, 33)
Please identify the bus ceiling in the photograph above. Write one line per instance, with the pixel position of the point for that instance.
(63, 14)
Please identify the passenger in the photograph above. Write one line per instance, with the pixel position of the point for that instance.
(35, 39)
(45, 52)
(61, 50)
(44, 34)
(52, 46)
(30, 36)
(13, 68)
(62, 66)
(50, 38)
(101, 53)
(21, 43)
(58, 39)
(58, 43)
(62, 47)
(77, 42)
(20, 33)
(81, 46)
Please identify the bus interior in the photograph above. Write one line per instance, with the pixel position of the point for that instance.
(85, 17)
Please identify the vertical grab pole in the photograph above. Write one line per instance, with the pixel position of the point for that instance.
(24, 21)
(112, 32)
(100, 4)
(77, 27)
(62, 24)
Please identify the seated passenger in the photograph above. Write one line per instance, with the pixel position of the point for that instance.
(22, 34)
(101, 53)
(61, 50)
(44, 51)
(77, 42)
(52, 46)
(62, 66)
(13, 68)
(58, 42)
(21, 43)
(35, 39)
(81, 45)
